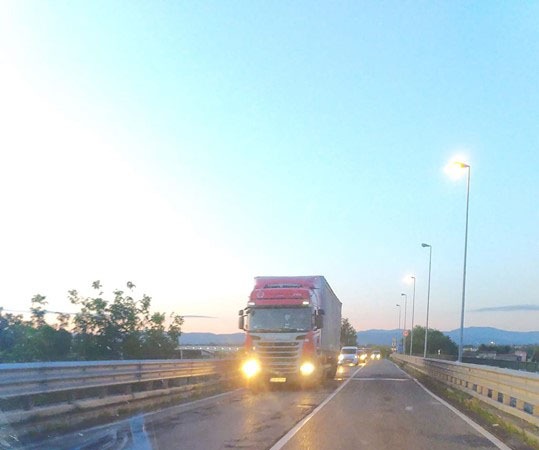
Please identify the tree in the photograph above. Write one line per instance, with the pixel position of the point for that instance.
(499, 349)
(437, 342)
(348, 333)
(123, 328)
(532, 352)
(38, 311)
(14, 338)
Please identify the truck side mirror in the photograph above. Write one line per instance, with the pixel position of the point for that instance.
(241, 320)
(319, 320)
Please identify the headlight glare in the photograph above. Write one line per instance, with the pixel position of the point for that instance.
(250, 368)
(307, 368)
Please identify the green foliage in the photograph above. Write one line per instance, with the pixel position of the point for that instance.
(38, 310)
(121, 328)
(33, 340)
(499, 349)
(436, 342)
(385, 350)
(348, 333)
(532, 352)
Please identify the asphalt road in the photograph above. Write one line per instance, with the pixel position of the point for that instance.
(380, 407)
(383, 408)
(235, 420)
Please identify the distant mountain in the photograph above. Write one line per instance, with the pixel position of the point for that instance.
(486, 335)
(472, 336)
(377, 337)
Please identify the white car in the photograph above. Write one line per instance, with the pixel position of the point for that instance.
(376, 354)
(349, 356)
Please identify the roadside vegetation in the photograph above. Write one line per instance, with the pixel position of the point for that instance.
(532, 350)
(437, 343)
(348, 333)
(121, 327)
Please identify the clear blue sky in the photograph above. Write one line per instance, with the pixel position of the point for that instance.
(190, 146)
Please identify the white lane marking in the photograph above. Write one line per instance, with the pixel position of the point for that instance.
(466, 419)
(409, 408)
(284, 440)
(382, 379)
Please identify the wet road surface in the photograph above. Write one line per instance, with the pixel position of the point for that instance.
(373, 407)
(236, 420)
(383, 408)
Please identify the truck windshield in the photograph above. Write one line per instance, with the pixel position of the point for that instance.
(280, 319)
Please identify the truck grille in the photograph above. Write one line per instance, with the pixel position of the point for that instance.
(279, 357)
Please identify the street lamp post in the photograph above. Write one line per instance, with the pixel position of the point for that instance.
(413, 312)
(428, 300)
(399, 326)
(404, 324)
(461, 336)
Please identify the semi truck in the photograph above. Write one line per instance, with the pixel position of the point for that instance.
(292, 331)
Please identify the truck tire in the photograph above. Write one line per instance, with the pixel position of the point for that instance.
(332, 371)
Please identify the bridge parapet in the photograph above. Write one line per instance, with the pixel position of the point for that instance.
(512, 391)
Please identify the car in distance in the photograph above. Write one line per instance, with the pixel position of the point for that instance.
(349, 356)
(362, 355)
(376, 354)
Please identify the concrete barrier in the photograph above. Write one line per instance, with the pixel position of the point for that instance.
(512, 391)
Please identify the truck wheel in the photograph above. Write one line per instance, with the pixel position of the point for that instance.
(332, 371)
(255, 386)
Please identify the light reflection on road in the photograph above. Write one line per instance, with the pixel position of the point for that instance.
(344, 372)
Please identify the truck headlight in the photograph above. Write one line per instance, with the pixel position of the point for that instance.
(306, 368)
(250, 368)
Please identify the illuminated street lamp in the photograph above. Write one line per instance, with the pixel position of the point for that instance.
(413, 312)
(428, 299)
(404, 324)
(461, 165)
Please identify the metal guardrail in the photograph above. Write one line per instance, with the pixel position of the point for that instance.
(512, 391)
(514, 365)
(26, 380)
(527, 366)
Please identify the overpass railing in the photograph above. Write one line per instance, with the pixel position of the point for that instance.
(29, 391)
(512, 391)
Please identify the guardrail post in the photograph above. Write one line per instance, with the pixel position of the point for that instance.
(28, 402)
(520, 405)
(139, 371)
(72, 397)
(102, 392)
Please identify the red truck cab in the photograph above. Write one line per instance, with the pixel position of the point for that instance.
(292, 327)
